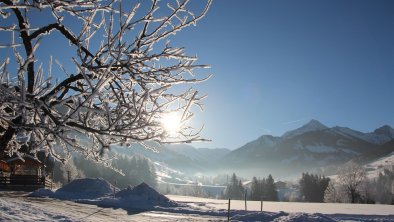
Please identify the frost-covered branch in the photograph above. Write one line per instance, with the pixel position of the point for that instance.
(125, 77)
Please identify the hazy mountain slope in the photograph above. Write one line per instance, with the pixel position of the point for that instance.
(203, 155)
(376, 153)
(309, 147)
(179, 156)
(162, 154)
(214, 154)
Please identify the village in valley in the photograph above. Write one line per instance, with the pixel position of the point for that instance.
(104, 113)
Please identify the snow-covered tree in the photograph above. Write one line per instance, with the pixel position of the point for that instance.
(116, 75)
(351, 176)
(335, 193)
(384, 186)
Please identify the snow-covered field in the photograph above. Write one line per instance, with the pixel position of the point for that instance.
(375, 167)
(335, 210)
(19, 207)
(294, 207)
(75, 202)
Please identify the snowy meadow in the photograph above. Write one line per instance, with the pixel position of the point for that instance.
(97, 200)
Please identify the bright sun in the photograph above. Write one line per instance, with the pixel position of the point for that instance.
(171, 122)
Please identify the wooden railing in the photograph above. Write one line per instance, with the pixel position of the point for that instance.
(25, 180)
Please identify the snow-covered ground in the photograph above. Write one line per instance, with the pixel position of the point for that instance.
(375, 167)
(293, 207)
(142, 203)
(17, 206)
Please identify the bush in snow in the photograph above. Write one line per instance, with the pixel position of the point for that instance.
(87, 188)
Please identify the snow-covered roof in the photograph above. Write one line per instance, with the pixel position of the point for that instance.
(22, 158)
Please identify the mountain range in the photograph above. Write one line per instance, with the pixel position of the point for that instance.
(313, 147)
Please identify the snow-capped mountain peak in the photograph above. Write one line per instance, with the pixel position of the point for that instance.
(385, 130)
(380, 135)
(265, 141)
(311, 126)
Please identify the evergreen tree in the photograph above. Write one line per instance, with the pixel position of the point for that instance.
(136, 170)
(312, 187)
(148, 174)
(240, 190)
(256, 191)
(263, 189)
(139, 170)
(271, 192)
(234, 189)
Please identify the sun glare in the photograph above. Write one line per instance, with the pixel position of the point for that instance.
(171, 122)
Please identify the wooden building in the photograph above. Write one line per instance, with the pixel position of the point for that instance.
(22, 173)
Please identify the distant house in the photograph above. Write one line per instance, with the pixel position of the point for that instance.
(287, 192)
(22, 173)
(4, 168)
(26, 165)
(280, 185)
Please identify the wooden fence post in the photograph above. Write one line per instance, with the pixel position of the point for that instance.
(52, 180)
(261, 208)
(245, 201)
(69, 176)
(228, 211)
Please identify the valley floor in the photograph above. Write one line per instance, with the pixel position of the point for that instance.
(16, 206)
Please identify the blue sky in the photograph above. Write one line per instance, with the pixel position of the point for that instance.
(277, 64)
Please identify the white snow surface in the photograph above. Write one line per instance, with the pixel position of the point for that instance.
(142, 203)
(20, 211)
(139, 197)
(377, 166)
(100, 192)
(87, 188)
(291, 207)
(282, 216)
